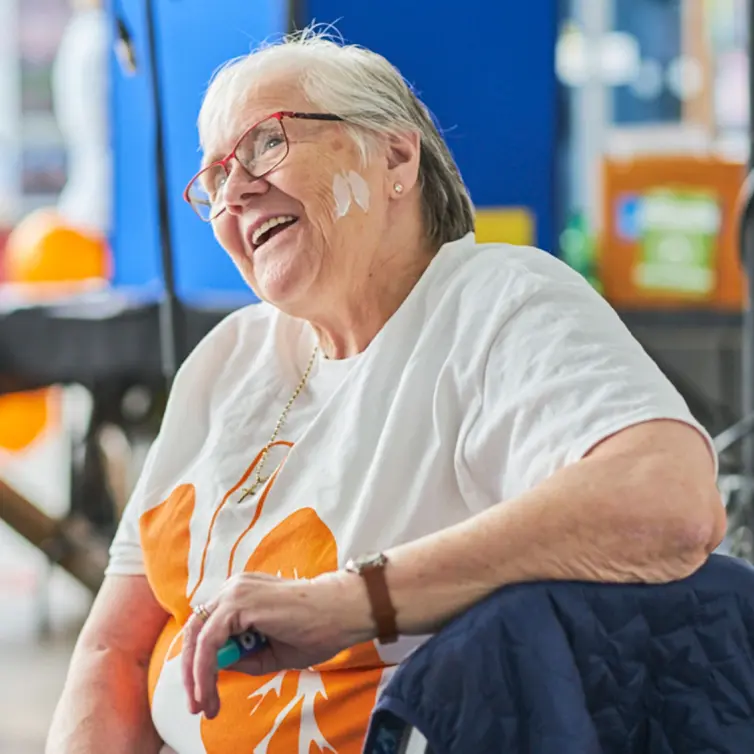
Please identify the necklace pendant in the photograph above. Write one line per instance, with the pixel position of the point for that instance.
(251, 491)
(246, 492)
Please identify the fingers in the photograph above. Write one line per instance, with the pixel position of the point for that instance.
(191, 633)
(214, 633)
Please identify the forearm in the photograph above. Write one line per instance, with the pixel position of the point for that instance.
(104, 707)
(614, 520)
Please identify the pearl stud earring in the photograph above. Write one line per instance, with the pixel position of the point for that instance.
(398, 188)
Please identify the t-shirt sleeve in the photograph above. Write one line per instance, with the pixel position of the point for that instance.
(126, 555)
(562, 374)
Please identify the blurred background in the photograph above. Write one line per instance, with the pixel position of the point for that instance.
(615, 134)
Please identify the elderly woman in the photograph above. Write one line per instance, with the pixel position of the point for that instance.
(472, 415)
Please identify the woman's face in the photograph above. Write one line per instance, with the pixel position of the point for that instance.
(340, 206)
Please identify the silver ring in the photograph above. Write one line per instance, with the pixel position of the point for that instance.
(202, 613)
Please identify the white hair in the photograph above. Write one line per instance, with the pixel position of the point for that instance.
(373, 99)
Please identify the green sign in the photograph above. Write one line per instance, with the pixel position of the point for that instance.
(678, 242)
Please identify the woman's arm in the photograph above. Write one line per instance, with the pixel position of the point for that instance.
(642, 506)
(104, 705)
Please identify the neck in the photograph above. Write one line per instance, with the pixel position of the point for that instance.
(353, 320)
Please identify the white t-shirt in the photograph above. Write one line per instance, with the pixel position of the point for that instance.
(501, 367)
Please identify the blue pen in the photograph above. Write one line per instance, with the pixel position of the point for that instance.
(238, 647)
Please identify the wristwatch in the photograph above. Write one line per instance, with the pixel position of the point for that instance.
(372, 569)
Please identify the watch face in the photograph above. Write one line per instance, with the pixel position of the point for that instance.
(370, 560)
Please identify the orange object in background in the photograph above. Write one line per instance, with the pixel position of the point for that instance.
(44, 248)
(42, 253)
(670, 233)
(25, 417)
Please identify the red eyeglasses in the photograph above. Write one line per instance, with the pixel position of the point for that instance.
(263, 147)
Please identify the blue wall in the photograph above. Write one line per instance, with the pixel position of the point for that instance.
(194, 37)
(484, 67)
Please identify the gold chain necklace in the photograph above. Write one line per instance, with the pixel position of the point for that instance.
(259, 480)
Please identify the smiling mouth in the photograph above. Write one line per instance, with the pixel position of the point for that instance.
(270, 228)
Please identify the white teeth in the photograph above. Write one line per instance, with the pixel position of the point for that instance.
(268, 225)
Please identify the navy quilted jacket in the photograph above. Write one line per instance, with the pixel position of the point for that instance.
(576, 668)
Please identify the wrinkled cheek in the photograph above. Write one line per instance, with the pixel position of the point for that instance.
(323, 213)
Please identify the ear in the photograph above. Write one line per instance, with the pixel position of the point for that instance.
(403, 153)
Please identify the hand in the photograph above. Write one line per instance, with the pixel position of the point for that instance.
(305, 622)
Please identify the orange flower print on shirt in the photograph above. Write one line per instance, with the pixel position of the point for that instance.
(298, 712)
(324, 709)
(165, 540)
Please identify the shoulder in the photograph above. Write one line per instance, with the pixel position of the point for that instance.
(242, 334)
(496, 282)
(249, 322)
(243, 326)
(213, 372)
(516, 268)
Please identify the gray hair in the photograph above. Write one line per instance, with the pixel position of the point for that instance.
(372, 97)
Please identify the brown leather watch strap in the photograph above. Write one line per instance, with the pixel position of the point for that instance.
(383, 611)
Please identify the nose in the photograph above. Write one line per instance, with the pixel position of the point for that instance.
(240, 188)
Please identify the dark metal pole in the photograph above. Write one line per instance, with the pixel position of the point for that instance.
(296, 15)
(747, 257)
(750, 45)
(747, 327)
(171, 330)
